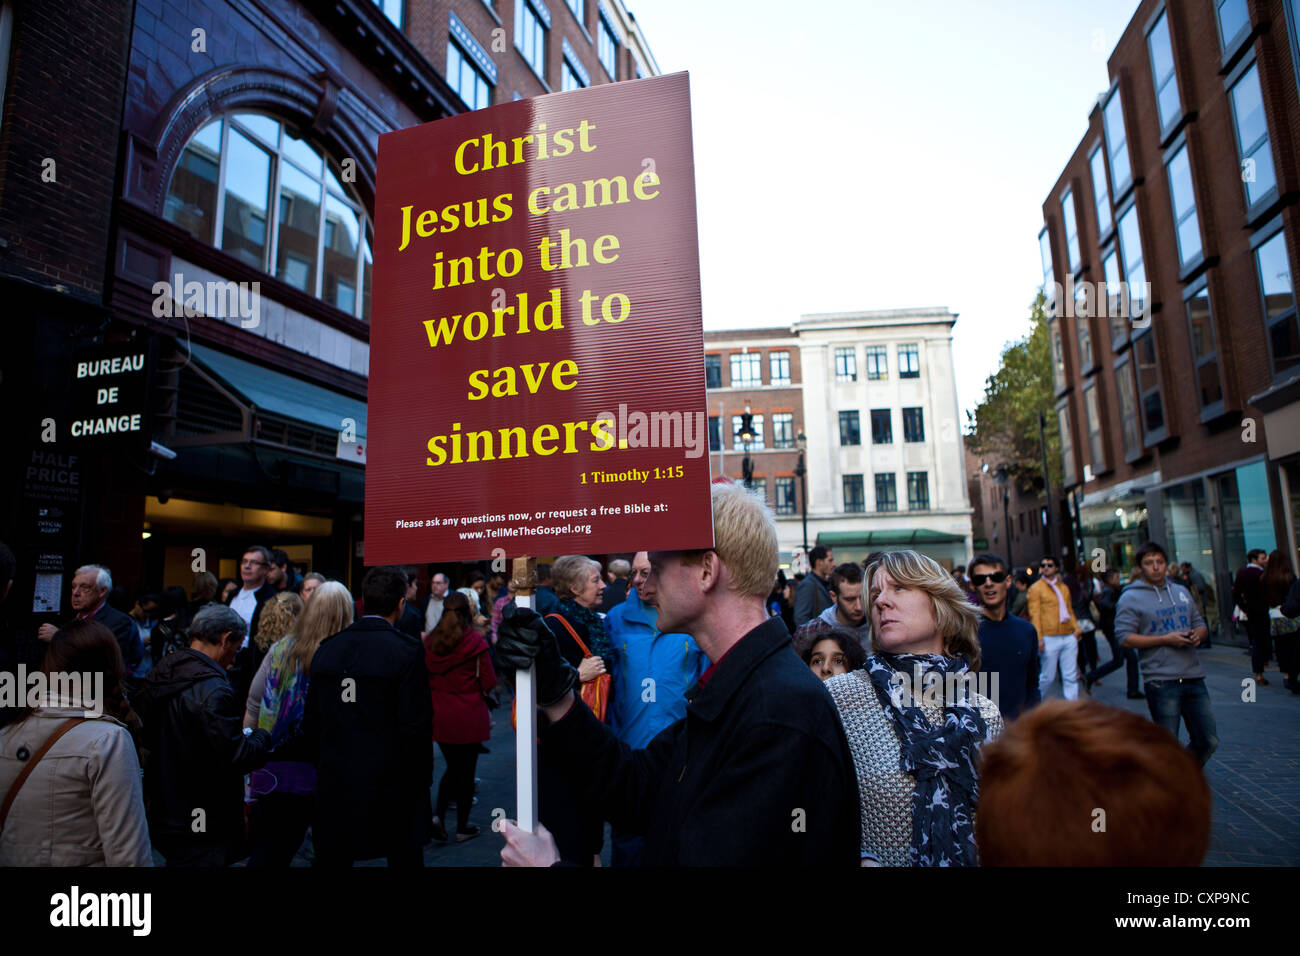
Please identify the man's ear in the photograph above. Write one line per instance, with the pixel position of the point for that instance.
(710, 571)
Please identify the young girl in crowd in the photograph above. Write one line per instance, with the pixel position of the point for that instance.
(831, 652)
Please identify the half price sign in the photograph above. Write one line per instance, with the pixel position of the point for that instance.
(537, 367)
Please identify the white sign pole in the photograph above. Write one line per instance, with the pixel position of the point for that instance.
(525, 580)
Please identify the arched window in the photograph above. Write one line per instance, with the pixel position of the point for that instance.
(314, 236)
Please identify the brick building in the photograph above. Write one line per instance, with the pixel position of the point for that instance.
(187, 189)
(1169, 246)
(875, 396)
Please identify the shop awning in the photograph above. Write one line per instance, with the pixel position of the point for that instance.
(278, 394)
(902, 536)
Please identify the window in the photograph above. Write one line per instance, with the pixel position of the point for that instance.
(757, 443)
(466, 79)
(1115, 298)
(783, 430)
(759, 487)
(1128, 410)
(715, 433)
(918, 491)
(785, 503)
(318, 239)
(746, 369)
(392, 9)
(1234, 23)
(1151, 406)
(579, 8)
(877, 363)
(913, 424)
(1058, 357)
(1187, 226)
(1162, 72)
(854, 497)
(713, 371)
(607, 47)
(1205, 352)
(1071, 229)
(575, 75)
(1082, 327)
(850, 433)
(1253, 148)
(779, 368)
(1045, 253)
(1100, 192)
(569, 79)
(1278, 291)
(909, 361)
(846, 364)
(882, 429)
(1092, 417)
(1135, 273)
(886, 493)
(530, 36)
(1121, 174)
(1068, 476)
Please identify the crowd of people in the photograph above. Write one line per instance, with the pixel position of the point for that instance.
(708, 709)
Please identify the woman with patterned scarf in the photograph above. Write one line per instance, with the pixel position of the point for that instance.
(285, 788)
(912, 718)
(579, 831)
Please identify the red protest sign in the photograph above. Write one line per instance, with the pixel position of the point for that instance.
(536, 351)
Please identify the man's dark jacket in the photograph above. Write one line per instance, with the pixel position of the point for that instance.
(127, 633)
(1248, 593)
(249, 658)
(614, 595)
(198, 752)
(811, 597)
(372, 740)
(1107, 602)
(758, 772)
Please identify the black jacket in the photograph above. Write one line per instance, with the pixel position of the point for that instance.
(758, 772)
(371, 739)
(1248, 593)
(249, 658)
(411, 622)
(1107, 601)
(615, 594)
(127, 633)
(811, 597)
(198, 752)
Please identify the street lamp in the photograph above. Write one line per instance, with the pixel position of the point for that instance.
(801, 473)
(746, 435)
(1001, 477)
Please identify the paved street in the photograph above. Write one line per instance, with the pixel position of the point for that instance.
(1254, 775)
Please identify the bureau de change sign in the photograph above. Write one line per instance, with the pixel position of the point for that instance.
(536, 365)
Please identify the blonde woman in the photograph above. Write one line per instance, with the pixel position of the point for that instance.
(913, 721)
(285, 787)
(277, 619)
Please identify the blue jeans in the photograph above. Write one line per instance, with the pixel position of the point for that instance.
(1189, 699)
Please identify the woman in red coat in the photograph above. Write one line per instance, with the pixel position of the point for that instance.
(460, 673)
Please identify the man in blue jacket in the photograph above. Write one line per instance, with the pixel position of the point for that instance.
(652, 673)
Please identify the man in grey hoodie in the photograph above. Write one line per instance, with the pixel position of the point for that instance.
(1159, 618)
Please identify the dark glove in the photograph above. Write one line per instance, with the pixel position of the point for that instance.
(524, 641)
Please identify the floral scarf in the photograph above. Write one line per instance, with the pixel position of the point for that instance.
(285, 700)
(597, 642)
(941, 759)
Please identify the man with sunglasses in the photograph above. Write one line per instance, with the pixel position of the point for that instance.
(1008, 644)
(1052, 614)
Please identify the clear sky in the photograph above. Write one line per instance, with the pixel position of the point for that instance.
(877, 154)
